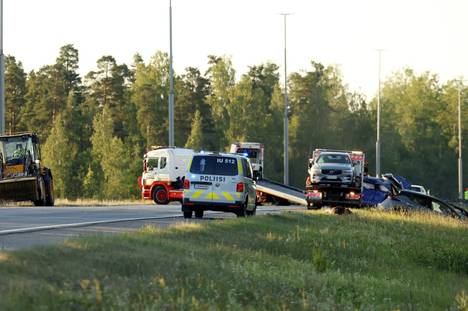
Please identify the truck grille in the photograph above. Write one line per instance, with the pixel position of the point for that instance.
(331, 172)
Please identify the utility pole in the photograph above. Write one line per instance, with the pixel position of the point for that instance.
(2, 74)
(286, 110)
(377, 143)
(171, 81)
(460, 168)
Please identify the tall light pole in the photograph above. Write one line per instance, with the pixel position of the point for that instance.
(286, 118)
(2, 74)
(460, 168)
(171, 81)
(377, 143)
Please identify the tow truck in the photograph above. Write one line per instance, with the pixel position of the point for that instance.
(335, 178)
(253, 151)
(162, 179)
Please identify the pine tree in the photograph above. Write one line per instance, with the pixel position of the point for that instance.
(195, 140)
(15, 92)
(58, 155)
(108, 175)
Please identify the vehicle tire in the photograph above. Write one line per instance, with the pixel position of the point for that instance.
(199, 213)
(160, 195)
(253, 212)
(188, 215)
(41, 201)
(49, 189)
(242, 209)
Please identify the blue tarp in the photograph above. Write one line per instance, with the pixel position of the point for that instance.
(377, 189)
(404, 182)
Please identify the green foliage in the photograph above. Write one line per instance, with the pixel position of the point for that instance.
(111, 160)
(195, 140)
(294, 261)
(15, 91)
(419, 132)
(150, 93)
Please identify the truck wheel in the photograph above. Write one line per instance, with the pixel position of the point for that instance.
(160, 195)
(199, 213)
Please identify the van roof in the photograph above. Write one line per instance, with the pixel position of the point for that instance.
(235, 155)
(175, 151)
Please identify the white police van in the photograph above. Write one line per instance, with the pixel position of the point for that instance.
(219, 182)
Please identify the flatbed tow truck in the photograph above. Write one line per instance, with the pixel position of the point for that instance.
(335, 178)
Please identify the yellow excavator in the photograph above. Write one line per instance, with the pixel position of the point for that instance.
(22, 177)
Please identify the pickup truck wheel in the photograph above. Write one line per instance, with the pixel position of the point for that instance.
(160, 195)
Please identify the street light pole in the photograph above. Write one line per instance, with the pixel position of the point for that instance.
(460, 168)
(286, 118)
(2, 74)
(377, 143)
(171, 81)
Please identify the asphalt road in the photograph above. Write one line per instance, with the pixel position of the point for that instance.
(14, 219)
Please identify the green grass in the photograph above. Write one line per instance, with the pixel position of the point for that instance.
(313, 261)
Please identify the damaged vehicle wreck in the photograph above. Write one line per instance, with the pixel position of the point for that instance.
(401, 199)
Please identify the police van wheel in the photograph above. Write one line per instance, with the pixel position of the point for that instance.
(160, 195)
(242, 210)
(188, 214)
(199, 213)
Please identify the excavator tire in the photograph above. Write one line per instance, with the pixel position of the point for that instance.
(49, 189)
(41, 201)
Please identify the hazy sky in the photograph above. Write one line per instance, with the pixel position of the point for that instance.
(429, 35)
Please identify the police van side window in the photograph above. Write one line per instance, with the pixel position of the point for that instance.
(163, 163)
(246, 168)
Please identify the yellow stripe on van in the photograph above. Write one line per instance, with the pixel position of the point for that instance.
(197, 194)
(238, 195)
(212, 196)
(228, 196)
(189, 164)
(239, 167)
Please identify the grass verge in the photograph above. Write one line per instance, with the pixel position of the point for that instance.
(294, 261)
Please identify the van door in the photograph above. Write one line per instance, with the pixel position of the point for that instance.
(249, 183)
(226, 177)
(201, 187)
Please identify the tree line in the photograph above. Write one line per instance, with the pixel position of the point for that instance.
(96, 128)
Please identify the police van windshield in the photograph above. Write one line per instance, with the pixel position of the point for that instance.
(214, 165)
(249, 153)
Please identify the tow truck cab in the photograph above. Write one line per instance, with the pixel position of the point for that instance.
(162, 179)
(254, 152)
